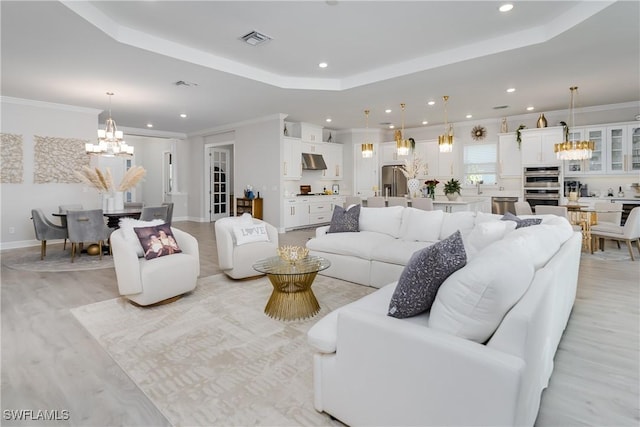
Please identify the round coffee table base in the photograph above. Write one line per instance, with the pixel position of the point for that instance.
(292, 297)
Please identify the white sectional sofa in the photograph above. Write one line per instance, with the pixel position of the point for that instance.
(481, 356)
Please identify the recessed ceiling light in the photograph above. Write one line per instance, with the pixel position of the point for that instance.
(431, 102)
(391, 127)
(424, 122)
(530, 108)
(183, 115)
(149, 125)
(323, 65)
(388, 110)
(511, 90)
(328, 120)
(468, 116)
(505, 7)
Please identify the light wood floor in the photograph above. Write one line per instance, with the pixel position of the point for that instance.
(50, 362)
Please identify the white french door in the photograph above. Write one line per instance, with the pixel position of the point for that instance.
(219, 167)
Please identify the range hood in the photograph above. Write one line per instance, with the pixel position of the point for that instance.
(313, 162)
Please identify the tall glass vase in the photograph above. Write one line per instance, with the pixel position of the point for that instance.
(413, 185)
(118, 200)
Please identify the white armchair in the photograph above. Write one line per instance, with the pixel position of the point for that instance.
(235, 260)
(147, 282)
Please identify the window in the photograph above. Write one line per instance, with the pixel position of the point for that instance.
(480, 163)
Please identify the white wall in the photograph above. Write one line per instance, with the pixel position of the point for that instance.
(29, 118)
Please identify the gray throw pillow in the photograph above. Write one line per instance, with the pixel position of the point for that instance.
(427, 269)
(344, 221)
(521, 222)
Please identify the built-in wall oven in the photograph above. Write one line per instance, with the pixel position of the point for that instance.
(542, 185)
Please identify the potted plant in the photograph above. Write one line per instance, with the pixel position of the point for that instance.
(452, 187)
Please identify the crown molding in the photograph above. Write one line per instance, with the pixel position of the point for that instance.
(51, 105)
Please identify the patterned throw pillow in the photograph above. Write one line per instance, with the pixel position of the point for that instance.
(157, 241)
(521, 222)
(427, 269)
(344, 221)
(251, 233)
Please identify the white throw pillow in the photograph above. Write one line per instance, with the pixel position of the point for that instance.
(472, 302)
(452, 222)
(250, 233)
(382, 220)
(421, 226)
(485, 233)
(128, 224)
(486, 217)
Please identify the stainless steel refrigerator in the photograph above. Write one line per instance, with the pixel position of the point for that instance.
(394, 182)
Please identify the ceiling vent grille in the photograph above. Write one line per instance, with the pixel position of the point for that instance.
(255, 38)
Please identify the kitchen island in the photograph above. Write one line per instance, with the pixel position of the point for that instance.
(480, 204)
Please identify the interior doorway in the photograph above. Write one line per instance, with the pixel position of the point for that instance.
(220, 173)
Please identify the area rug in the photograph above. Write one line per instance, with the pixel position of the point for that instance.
(613, 254)
(213, 358)
(56, 260)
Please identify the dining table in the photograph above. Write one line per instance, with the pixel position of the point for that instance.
(113, 217)
(585, 217)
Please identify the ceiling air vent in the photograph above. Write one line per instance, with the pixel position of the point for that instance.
(255, 38)
(500, 107)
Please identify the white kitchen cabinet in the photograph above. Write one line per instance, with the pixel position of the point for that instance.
(310, 132)
(437, 164)
(537, 145)
(509, 156)
(320, 212)
(296, 212)
(333, 157)
(366, 171)
(292, 158)
(623, 149)
(477, 205)
(633, 138)
(310, 147)
(596, 164)
(390, 154)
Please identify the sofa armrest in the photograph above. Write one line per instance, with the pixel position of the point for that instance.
(321, 231)
(188, 245)
(428, 375)
(126, 263)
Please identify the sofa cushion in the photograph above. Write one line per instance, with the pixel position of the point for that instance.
(485, 233)
(463, 221)
(127, 225)
(360, 245)
(382, 220)
(421, 225)
(345, 220)
(472, 301)
(521, 222)
(486, 217)
(544, 240)
(397, 251)
(423, 275)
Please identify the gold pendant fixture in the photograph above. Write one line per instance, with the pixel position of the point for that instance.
(445, 141)
(573, 150)
(402, 145)
(367, 147)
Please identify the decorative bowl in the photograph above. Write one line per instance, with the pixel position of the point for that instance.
(292, 254)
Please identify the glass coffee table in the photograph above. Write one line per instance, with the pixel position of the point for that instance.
(292, 297)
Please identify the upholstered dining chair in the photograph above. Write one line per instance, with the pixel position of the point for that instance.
(154, 212)
(375, 202)
(523, 208)
(169, 206)
(423, 203)
(46, 230)
(133, 205)
(86, 226)
(610, 213)
(63, 219)
(558, 211)
(397, 201)
(352, 200)
(628, 233)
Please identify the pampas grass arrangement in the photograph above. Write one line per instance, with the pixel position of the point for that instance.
(103, 182)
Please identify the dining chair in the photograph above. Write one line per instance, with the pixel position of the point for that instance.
(46, 230)
(63, 219)
(154, 212)
(352, 200)
(375, 202)
(523, 208)
(610, 213)
(628, 233)
(558, 211)
(133, 205)
(169, 206)
(86, 226)
(397, 201)
(423, 203)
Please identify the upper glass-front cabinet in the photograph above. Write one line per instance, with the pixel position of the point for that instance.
(634, 142)
(617, 149)
(596, 164)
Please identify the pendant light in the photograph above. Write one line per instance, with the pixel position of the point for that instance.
(573, 150)
(402, 145)
(110, 139)
(367, 147)
(445, 141)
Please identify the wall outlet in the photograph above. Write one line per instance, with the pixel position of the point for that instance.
(12, 230)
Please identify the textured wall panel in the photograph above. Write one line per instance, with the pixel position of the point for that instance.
(56, 159)
(11, 159)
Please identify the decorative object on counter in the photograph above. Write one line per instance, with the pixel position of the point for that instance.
(620, 192)
(431, 187)
(292, 254)
(330, 139)
(110, 140)
(573, 197)
(573, 150)
(412, 168)
(478, 133)
(542, 121)
(248, 192)
(451, 188)
(286, 132)
(367, 147)
(504, 127)
(565, 129)
(112, 196)
(445, 141)
(519, 134)
(403, 146)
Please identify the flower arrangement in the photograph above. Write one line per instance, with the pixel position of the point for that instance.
(103, 182)
(413, 167)
(431, 187)
(452, 186)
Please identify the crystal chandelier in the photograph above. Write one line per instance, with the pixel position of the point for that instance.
(573, 150)
(445, 141)
(110, 140)
(402, 145)
(367, 147)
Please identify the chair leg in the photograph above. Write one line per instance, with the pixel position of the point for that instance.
(100, 248)
(64, 247)
(630, 250)
(73, 251)
(43, 249)
(618, 243)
